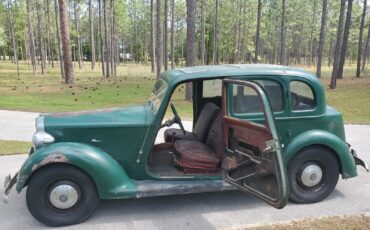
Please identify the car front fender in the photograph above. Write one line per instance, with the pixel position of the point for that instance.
(110, 179)
(329, 140)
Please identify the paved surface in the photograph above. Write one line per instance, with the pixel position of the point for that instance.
(223, 210)
(17, 126)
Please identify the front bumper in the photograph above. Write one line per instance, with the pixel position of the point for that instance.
(8, 184)
(358, 161)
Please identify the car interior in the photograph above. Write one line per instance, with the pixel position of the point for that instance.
(191, 153)
(200, 152)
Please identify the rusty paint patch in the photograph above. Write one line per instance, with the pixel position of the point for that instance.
(52, 158)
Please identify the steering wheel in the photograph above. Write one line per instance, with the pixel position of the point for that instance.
(177, 118)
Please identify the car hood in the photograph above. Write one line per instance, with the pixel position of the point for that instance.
(139, 115)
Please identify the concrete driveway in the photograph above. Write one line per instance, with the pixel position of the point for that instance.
(223, 210)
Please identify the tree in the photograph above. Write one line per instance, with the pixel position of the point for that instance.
(101, 37)
(31, 38)
(152, 36)
(282, 35)
(66, 42)
(203, 32)
(322, 38)
(106, 45)
(172, 34)
(310, 60)
(190, 41)
(158, 47)
(259, 12)
(165, 35)
(359, 51)
(338, 44)
(216, 57)
(92, 41)
(14, 44)
(59, 38)
(77, 24)
(366, 49)
(41, 37)
(343, 50)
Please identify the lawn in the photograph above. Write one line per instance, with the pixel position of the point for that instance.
(14, 147)
(133, 85)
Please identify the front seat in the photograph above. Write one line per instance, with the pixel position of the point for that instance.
(201, 127)
(196, 156)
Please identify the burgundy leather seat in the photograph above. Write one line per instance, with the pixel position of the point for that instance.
(201, 127)
(196, 155)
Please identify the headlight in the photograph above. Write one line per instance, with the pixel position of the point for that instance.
(41, 139)
(39, 123)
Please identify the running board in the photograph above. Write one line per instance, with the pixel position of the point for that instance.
(150, 188)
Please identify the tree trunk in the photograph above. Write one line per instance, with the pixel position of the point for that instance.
(158, 46)
(345, 40)
(152, 36)
(77, 24)
(202, 32)
(49, 45)
(255, 60)
(172, 34)
(41, 37)
(165, 35)
(360, 50)
(31, 38)
(59, 39)
(364, 56)
(102, 49)
(282, 35)
(14, 44)
(216, 56)
(92, 41)
(338, 43)
(106, 45)
(190, 42)
(322, 38)
(66, 43)
(310, 60)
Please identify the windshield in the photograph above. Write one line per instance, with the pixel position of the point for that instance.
(157, 95)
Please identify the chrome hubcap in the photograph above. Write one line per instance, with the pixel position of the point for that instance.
(311, 175)
(63, 196)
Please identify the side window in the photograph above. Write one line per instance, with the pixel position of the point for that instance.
(302, 96)
(212, 88)
(245, 100)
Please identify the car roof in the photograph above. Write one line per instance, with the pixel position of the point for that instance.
(234, 70)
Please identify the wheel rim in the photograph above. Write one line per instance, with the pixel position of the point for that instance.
(311, 175)
(63, 196)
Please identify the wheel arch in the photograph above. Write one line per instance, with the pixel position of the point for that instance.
(110, 179)
(327, 140)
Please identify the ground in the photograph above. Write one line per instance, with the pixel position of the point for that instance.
(133, 85)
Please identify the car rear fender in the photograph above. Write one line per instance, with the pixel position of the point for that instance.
(326, 139)
(110, 179)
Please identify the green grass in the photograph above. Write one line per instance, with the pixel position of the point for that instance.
(134, 84)
(14, 147)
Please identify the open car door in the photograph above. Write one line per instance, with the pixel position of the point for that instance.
(253, 160)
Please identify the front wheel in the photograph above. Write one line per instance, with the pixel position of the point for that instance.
(313, 174)
(61, 195)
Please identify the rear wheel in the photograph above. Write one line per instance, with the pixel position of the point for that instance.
(61, 195)
(313, 174)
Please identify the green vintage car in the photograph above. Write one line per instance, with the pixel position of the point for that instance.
(263, 129)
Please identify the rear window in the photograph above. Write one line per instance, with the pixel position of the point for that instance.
(245, 99)
(301, 96)
(212, 88)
